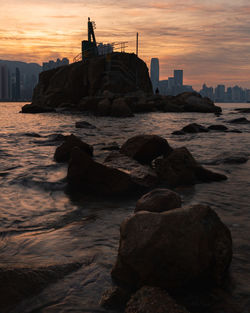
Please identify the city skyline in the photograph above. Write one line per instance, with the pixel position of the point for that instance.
(208, 39)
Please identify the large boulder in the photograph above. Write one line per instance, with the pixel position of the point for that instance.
(117, 73)
(90, 176)
(120, 108)
(240, 120)
(158, 200)
(182, 248)
(141, 174)
(153, 300)
(145, 148)
(180, 168)
(194, 128)
(63, 152)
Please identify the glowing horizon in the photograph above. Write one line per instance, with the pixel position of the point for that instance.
(207, 39)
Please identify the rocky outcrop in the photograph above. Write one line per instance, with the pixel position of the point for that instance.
(175, 250)
(118, 73)
(218, 127)
(158, 200)
(141, 174)
(194, 128)
(33, 108)
(153, 300)
(240, 120)
(87, 175)
(84, 124)
(63, 152)
(115, 298)
(120, 108)
(180, 168)
(145, 148)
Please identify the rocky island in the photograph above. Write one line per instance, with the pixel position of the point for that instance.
(117, 84)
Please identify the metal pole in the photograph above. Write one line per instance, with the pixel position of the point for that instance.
(137, 35)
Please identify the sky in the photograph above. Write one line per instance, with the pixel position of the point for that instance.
(208, 39)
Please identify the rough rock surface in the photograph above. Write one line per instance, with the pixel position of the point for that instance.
(87, 175)
(153, 300)
(145, 148)
(180, 168)
(115, 298)
(84, 124)
(141, 174)
(120, 108)
(218, 127)
(158, 200)
(33, 108)
(63, 152)
(178, 249)
(240, 120)
(194, 128)
(119, 73)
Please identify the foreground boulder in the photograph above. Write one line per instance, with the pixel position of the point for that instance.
(63, 152)
(141, 174)
(178, 249)
(90, 176)
(145, 148)
(158, 200)
(153, 300)
(180, 168)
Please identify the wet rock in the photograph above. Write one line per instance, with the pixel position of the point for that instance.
(241, 120)
(153, 300)
(178, 132)
(115, 298)
(235, 160)
(175, 250)
(16, 284)
(35, 135)
(84, 124)
(158, 200)
(63, 152)
(89, 176)
(243, 110)
(111, 147)
(180, 168)
(104, 107)
(120, 108)
(141, 174)
(145, 148)
(194, 128)
(33, 108)
(237, 131)
(218, 127)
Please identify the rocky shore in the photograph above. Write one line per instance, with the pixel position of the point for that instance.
(115, 85)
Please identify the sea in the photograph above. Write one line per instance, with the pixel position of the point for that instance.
(43, 225)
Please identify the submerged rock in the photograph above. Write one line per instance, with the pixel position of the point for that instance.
(194, 128)
(153, 300)
(241, 120)
(33, 108)
(63, 152)
(158, 200)
(178, 249)
(145, 148)
(84, 124)
(218, 127)
(180, 168)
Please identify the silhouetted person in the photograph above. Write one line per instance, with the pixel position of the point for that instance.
(157, 91)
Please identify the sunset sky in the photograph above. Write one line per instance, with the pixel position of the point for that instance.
(209, 40)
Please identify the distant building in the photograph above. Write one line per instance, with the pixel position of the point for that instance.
(104, 49)
(4, 82)
(163, 87)
(207, 92)
(154, 73)
(18, 85)
(178, 77)
(219, 94)
(52, 64)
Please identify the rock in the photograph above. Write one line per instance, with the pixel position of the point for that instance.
(84, 124)
(243, 110)
(218, 127)
(180, 168)
(120, 108)
(63, 152)
(120, 73)
(235, 160)
(111, 147)
(178, 132)
(153, 300)
(237, 131)
(158, 200)
(141, 174)
(145, 148)
(16, 284)
(194, 128)
(35, 135)
(90, 176)
(104, 107)
(33, 108)
(176, 250)
(241, 120)
(115, 298)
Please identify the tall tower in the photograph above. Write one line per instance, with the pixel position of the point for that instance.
(178, 77)
(18, 84)
(154, 73)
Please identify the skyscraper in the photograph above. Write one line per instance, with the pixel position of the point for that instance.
(18, 84)
(4, 82)
(154, 73)
(178, 77)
